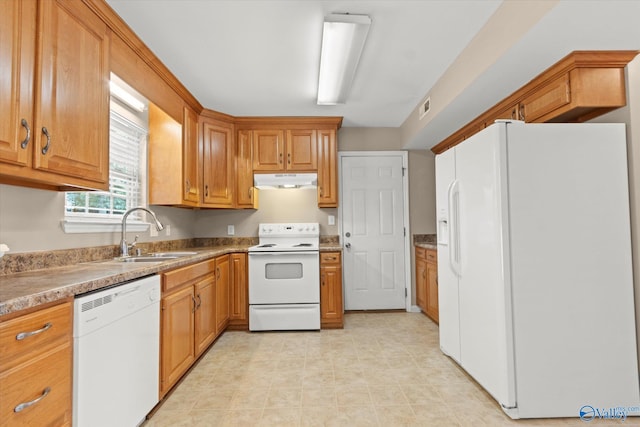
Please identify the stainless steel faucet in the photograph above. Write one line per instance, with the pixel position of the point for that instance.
(124, 247)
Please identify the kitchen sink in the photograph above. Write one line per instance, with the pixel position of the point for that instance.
(156, 256)
(175, 254)
(146, 258)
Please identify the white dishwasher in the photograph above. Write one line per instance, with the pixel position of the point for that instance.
(116, 335)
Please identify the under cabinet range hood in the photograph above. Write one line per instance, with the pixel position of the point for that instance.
(285, 180)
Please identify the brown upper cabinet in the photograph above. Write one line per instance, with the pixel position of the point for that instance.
(579, 87)
(218, 169)
(246, 194)
(55, 134)
(327, 169)
(277, 150)
(173, 159)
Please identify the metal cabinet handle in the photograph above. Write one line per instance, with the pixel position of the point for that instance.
(289, 158)
(206, 190)
(195, 304)
(514, 113)
(218, 273)
(199, 301)
(522, 112)
(424, 274)
(24, 143)
(45, 149)
(250, 192)
(320, 190)
(280, 157)
(25, 405)
(23, 335)
(187, 186)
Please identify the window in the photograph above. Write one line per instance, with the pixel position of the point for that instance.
(90, 211)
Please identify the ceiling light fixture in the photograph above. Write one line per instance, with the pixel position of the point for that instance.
(343, 38)
(126, 97)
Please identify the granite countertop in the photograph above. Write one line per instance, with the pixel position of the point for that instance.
(29, 289)
(427, 241)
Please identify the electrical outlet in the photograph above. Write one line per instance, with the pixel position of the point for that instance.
(168, 229)
(231, 230)
(332, 220)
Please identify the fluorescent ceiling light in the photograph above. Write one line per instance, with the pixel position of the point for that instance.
(126, 97)
(343, 38)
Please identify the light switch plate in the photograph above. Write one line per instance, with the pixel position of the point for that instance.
(231, 230)
(332, 220)
(168, 229)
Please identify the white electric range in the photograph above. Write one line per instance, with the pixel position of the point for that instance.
(284, 278)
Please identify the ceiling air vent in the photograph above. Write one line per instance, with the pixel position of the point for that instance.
(424, 107)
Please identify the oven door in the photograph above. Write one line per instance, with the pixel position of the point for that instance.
(284, 277)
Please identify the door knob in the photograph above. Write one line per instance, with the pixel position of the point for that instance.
(348, 245)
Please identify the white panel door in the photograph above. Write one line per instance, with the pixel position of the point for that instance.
(373, 232)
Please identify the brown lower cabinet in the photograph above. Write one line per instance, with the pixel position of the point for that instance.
(238, 292)
(427, 282)
(331, 312)
(192, 296)
(36, 371)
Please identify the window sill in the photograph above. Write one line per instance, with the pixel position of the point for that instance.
(99, 225)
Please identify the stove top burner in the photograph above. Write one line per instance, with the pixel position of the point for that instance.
(267, 245)
(303, 245)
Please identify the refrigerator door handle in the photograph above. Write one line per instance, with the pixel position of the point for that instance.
(454, 234)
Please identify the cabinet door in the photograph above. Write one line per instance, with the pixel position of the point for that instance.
(190, 160)
(222, 293)
(217, 165)
(432, 291)
(268, 150)
(47, 377)
(327, 169)
(17, 57)
(205, 314)
(71, 135)
(245, 192)
(238, 295)
(177, 336)
(331, 290)
(421, 281)
(302, 150)
(550, 97)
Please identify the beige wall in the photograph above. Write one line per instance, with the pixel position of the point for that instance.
(295, 205)
(30, 220)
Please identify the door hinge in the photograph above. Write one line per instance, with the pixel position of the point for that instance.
(404, 231)
(405, 292)
(403, 169)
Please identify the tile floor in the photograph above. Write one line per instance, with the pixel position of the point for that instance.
(382, 369)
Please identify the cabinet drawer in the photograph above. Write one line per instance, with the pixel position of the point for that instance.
(421, 253)
(38, 332)
(329, 258)
(431, 255)
(176, 278)
(29, 382)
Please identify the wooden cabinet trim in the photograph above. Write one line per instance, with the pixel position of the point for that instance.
(577, 60)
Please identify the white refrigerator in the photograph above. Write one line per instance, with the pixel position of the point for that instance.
(534, 267)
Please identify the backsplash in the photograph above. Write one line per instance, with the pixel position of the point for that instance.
(28, 261)
(424, 238)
